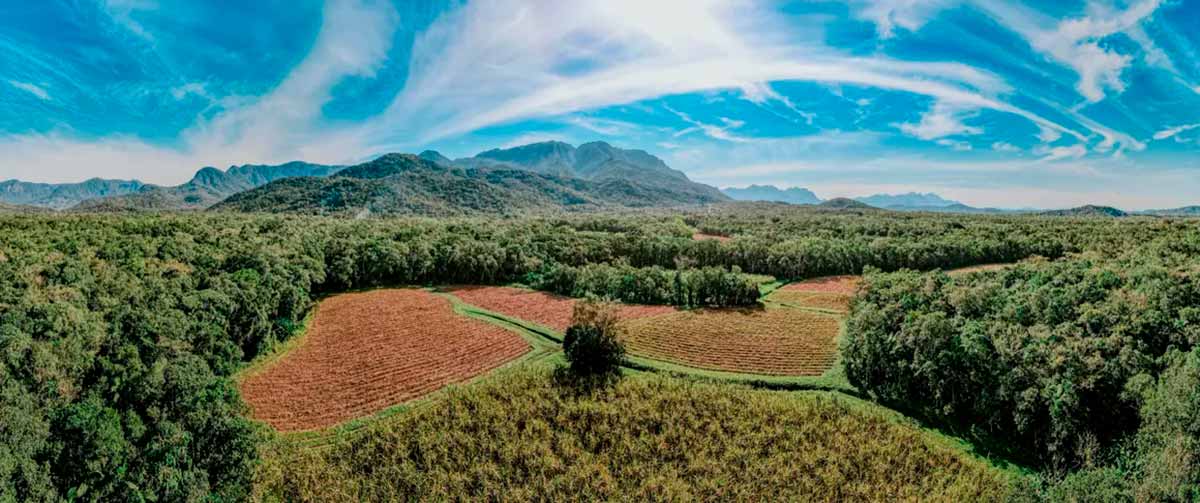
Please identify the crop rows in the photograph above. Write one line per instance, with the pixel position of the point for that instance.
(367, 351)
(546, 309)
(773, 341)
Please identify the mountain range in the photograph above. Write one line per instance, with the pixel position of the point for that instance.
(793, 195)
(427, 185)
(548, 175)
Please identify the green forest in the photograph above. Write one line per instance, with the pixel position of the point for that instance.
(120, 335)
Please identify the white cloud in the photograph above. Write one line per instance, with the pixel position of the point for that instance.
(1075, 42)
(1005, 147)
(957, 145)
(191, 88)
(1047, 135)
(941, 120)
(354, 40)
(1169, 132)
(907, 14)
(518, 47)
(31, 89)
(122, 13)
(713, 131)
(1050, 154)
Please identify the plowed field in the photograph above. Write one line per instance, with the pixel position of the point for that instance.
(773, 341)
(548, 310)
(367, 351)
(839, 302)
(829, 284)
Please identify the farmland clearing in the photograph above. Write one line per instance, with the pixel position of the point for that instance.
(770, 341)
(367, 351)
(546, 309)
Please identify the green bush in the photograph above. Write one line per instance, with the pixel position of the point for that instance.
(592, 343)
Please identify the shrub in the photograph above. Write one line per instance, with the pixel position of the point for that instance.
(593, 341)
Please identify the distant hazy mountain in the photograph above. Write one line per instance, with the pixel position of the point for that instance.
(793, 195)
(1086, 211)
(595, 161)
(1186, 211)
(207, 187)
(408, 184)
(909, 200)
(63, 195)
(843, 203)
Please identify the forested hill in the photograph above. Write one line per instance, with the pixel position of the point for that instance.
(595, 161)
(63, 195)
(207, 187)
(408, 184)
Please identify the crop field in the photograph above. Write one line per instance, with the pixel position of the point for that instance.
(771, 341)
(367, 351)
(831, 293)
(518, 437)
(546, 309)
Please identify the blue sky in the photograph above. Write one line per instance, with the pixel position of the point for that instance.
(1047, 104)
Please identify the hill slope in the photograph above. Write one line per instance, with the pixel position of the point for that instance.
(408, 184)
(63, 195)
(1086, 211)
(792, 195)
(207, 187)
(594, 161)
(909, 200)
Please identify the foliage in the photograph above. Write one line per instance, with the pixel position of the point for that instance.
(119, 335)
(592, 344)
(1069, 362)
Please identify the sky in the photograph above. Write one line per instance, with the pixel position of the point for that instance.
(992, 103)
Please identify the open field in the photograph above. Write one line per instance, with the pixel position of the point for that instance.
(546, 309)
(771, 341)
(648, 438)
(367, 351)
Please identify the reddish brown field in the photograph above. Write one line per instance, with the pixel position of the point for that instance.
(830, 301)
(367, 351)
(546, 309)
(780, 341)
(700, 236)
(830, 284)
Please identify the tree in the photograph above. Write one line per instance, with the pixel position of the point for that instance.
(593, 341)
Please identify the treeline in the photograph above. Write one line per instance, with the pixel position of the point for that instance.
(1088, 366)
(119, 335)
(708, 286)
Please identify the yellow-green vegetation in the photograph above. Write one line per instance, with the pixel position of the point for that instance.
(525, 435)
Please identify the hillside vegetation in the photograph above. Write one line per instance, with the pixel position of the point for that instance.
(407, 184)
(648, 438)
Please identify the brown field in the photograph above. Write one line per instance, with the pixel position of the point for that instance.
(839, 302)
(830, 284)
(367, 351)
(546, 309)
(700, 236)
(773, 341)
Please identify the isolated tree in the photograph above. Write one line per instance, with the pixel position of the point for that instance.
(593, 341)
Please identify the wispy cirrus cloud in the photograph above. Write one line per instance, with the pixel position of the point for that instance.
(31, 89)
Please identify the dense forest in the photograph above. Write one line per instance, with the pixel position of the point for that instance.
(1088, 367)
(119, 335)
